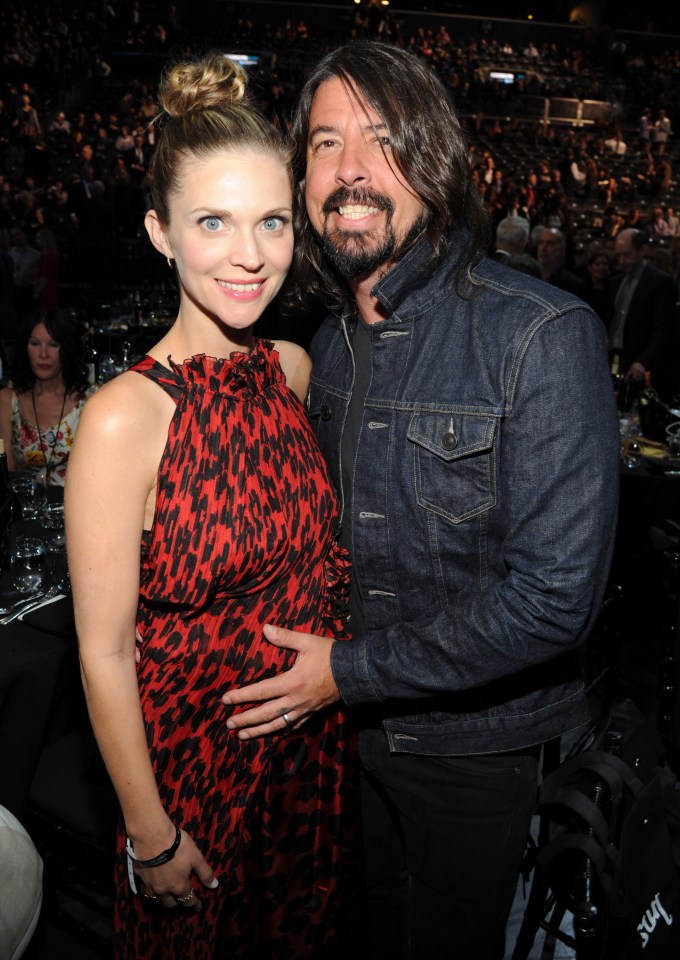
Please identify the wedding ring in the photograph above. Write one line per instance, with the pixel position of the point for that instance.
(286, 719)
(186, 899)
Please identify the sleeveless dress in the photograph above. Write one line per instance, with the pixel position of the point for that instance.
(33, 450)
(242, 536)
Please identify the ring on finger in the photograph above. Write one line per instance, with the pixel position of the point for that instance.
(187, 898)
(288, 722)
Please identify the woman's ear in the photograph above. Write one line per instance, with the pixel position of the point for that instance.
(157, 233)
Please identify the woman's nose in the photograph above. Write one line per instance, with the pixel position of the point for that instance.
(246, 252)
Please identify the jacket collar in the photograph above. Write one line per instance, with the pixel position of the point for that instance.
(419, 281)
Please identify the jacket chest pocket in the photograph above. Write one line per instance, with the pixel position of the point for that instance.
(454, 463)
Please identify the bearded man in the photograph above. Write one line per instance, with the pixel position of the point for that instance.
(467, 416)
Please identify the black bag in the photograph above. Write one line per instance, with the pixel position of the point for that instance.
(609, 857)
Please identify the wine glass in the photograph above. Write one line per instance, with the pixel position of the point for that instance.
(32, 496)
(55, 545)
(28, 565)
(53, 516)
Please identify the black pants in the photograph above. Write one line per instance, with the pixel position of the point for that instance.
(444, 839)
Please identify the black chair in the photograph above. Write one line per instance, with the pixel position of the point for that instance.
(576, 890)
(72, 816)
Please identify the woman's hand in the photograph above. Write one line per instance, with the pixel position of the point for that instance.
(171, 884)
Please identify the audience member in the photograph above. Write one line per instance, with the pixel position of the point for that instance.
(639, 316)
(551, 255)
(512, 235)
(41, 407)
(662, 130)
(598, 273)
(525, 263)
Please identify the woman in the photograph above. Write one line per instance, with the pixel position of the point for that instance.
(210, 464)
(41, 408)
(598, 272)
(27, 121)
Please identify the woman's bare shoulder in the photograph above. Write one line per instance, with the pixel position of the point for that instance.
(128, 405)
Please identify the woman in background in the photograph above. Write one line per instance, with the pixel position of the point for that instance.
(41, 407)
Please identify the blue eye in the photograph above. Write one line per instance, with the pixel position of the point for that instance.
(212, 224)
(273, 223)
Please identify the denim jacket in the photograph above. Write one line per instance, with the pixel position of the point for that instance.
(484, 504)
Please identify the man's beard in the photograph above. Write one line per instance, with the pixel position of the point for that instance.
(355, 253)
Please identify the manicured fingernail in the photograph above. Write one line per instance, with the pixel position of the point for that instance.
(231, 725)
(225, 699)
(214, 883)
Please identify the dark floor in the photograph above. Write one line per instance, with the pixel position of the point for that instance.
(52, 942)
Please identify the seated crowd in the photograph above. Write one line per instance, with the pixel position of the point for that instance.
(74, 181)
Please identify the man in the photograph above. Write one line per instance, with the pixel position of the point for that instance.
(641, 301)
(467, 417)
(512, 234)
(137, 160)
(551, 254)
(658, 225)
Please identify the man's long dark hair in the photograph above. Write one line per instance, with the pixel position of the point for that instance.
(63, 331)
(427, 144)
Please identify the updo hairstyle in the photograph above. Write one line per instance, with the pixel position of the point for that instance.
(204, 110)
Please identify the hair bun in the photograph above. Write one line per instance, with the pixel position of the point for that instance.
(211, 82)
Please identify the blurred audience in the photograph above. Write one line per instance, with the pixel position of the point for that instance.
(74, 116)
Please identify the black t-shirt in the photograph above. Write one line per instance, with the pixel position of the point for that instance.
(360, 333)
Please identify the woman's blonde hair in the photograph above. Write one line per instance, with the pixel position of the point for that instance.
(203, 110)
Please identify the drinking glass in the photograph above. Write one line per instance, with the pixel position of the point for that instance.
(31, 494)
(107, 367)
(53, 516)
(673, 435)
(56, 554)
(28, 565)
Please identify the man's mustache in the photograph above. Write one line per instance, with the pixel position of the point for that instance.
(360, 197)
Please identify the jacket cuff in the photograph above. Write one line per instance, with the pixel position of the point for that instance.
(349, 666)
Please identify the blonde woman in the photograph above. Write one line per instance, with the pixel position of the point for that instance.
(198, 510)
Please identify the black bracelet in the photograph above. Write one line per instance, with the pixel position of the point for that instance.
(162, 858)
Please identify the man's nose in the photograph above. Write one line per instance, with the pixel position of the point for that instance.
(353, 163)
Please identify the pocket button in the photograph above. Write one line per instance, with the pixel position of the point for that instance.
(449, 441)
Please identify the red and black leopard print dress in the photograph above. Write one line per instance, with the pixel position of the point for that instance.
(242, 536)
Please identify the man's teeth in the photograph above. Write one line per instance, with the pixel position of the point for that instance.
(241, 287)
(356, 211)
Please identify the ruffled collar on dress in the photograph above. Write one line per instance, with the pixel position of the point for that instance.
(241, 375)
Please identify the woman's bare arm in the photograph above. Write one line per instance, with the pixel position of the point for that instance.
(111, 475)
